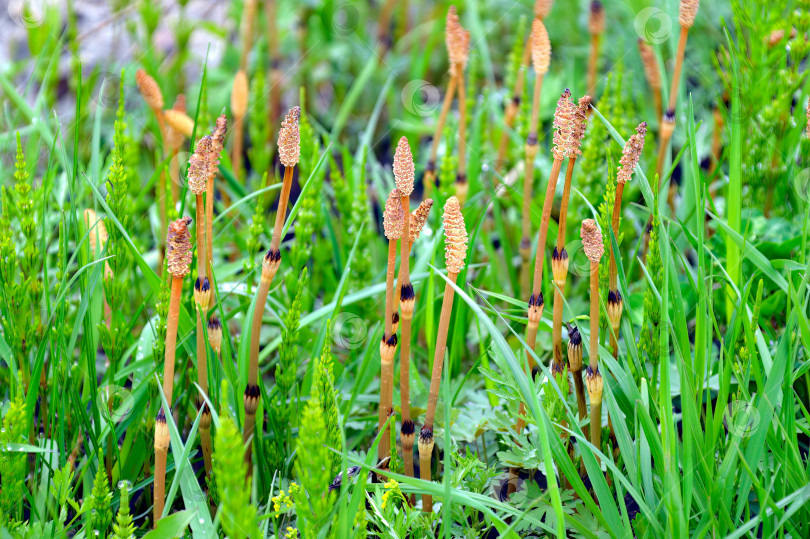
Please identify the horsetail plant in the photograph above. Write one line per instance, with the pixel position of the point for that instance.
(455, 253)
(541, 58)
(686, 17)
(416, 222)
(239, 105)
(541, 11)
(575, 368)
(198, 183)
(289, 148)
(594, 249)
(651, 73)
(596, 27)
(630, 157)
(403, 176)
(458, 50)
(451, 37)
(559, 257)
(178, 127)
(178, 257)
(217, 145)
(393, 225)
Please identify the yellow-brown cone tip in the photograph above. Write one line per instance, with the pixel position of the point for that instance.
(419, 218)
(393, 216)
(178, 247)
(289, 139)
(457, 40)
(403, 167)
(563, 125)
(631, 154)
(198, 167)
(239, 95)
(688, 12)
(542, 8)
(149, 90)
(592, 241)
(578, 126)
(455, 236)
(541, 47)
(179, 121)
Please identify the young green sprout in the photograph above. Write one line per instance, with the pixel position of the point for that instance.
(178, 257)
(455, 253)
(541, 58)
(289, 149)
(394, 227)
(594, 249)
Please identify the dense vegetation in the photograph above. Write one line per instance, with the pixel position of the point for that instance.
(229, 309)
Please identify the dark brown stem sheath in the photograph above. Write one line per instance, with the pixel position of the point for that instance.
(430, 174)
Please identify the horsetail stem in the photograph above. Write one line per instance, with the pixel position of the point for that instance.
(393, 225)
(596, 27)
(178, 257)
(239, 105)
(541, 11)
(289, 148)
(594, 248)
(630, 157)
(541, 58)
(455, 234)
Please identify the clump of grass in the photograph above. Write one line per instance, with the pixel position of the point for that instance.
(394, 227)
(541, 58)
(594, 249)
(630, 157)
(455, 241)
(289, 148)
(178, 257)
